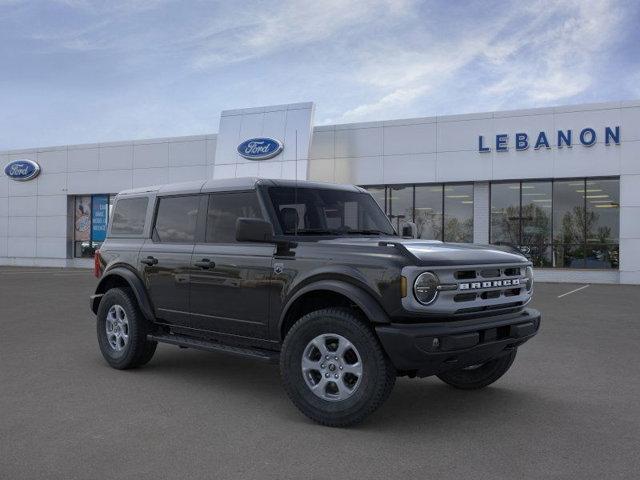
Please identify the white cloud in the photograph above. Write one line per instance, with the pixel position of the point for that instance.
(554, 63)
(286, 25)
(543, 52)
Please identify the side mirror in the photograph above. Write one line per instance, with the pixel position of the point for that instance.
(409, 229)
(253, 230)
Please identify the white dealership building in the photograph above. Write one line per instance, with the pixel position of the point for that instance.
(561, 183)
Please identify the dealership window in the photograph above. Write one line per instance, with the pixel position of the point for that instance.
(400, 201)
(505, 213)
(440, 212)
(91, 217)
(428, 211)
(564, 223)
(458, 213)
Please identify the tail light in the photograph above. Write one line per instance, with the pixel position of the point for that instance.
(97, 264)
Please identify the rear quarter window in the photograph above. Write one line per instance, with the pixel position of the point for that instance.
(176, 219)
(129, 215)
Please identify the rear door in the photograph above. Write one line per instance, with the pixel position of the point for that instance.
(165, 258)
(230, 280)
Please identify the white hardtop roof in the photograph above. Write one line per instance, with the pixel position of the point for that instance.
(227, 184)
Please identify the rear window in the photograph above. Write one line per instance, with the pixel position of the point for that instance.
(129, 215)
(177, 219)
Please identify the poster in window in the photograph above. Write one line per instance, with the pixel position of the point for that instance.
(82, 229)
(99, 217)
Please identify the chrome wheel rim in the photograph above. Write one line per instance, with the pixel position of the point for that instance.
(117, 328)
(332, 367)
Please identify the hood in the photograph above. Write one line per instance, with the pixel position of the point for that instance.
(435, 253)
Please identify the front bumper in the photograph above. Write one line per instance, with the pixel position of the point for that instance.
(432, 348)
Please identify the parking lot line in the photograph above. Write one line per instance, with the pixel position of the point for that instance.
(573, 291)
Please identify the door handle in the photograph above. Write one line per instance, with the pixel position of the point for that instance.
(205, 264)
(149, 260)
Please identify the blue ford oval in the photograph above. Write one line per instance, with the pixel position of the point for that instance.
(260, 148)
(22, 170)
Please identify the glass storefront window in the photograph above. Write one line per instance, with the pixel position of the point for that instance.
(458, 213)
(568, 212)
(536, 200)
(603, 223)
(564, 223)
(505, 214)
(91, 217)
(400, 201)
(440, 212)
(428, 211)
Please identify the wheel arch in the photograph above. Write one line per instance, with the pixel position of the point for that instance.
(329, 293)
(121, 277)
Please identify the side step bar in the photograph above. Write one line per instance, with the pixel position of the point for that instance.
(211, 346)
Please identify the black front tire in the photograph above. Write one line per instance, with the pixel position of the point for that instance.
(138, 350)
(474, 378)
(378, 374)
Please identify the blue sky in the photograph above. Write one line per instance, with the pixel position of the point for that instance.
(77, 71)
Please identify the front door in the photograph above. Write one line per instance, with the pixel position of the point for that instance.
(165, 260)
(231, 281)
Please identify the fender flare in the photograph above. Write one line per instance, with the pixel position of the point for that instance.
(369, 306)
(134, 282)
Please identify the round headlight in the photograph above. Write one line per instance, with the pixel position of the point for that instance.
(425, 288)
(528, 273)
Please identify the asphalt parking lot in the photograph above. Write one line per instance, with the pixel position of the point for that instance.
(569, 408)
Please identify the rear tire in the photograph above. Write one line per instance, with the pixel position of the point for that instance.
(122, 331)
(334, 369)
(479, 376)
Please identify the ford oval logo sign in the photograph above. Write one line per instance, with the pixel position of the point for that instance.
(22, 170)
(260, 148)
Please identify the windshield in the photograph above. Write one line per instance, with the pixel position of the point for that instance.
(315, 211)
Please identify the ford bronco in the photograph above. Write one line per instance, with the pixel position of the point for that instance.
(311, 276)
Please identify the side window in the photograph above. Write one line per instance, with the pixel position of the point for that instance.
(224, 209)
(176, 219)
(129, 215)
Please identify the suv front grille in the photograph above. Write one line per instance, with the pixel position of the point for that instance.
(472, 289)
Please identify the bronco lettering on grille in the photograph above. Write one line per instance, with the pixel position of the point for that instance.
(489, 284)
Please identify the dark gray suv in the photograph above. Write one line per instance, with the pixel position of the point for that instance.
(311, 276)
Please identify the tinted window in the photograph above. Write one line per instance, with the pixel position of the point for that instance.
(317, 211)
(224, 209)
(129, 215)
(378, 193)
(177, 218)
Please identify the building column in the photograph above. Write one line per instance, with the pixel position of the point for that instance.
(629, 229)
(481, 208)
